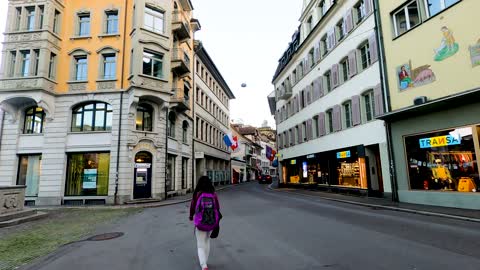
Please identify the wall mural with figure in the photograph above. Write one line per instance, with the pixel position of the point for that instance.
(448, 47)
(475, 54)
(409, 77)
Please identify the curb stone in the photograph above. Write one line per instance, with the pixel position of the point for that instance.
(392, 208)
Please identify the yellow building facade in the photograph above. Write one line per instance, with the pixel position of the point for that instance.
(97, 100)
(431, 63)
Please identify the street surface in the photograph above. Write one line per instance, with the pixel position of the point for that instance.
(264, 229)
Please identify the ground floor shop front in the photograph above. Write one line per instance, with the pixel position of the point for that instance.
(355, 169)
(435, 151)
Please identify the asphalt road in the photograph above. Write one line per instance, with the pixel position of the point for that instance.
(265, 229)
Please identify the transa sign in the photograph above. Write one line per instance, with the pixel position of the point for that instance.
(440, 141)
(344, 154)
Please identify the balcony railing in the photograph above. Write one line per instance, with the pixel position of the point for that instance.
(181, 26)
(181, 100)
(180, 62)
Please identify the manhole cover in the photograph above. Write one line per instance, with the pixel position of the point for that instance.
(105, 236)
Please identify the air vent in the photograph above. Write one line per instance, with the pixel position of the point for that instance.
(73, 202)
(420, 100)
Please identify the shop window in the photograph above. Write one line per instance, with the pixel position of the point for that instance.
(351, 170)
(29, 173)
(34, 119)
(87, 174)
(406, 18)
(144, 117)
(443, 160)
(96, 116)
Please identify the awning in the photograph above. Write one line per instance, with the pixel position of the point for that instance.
(440, 104)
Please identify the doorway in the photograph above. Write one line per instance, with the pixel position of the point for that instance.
(142, 176)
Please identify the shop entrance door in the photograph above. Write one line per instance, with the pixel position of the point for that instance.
(142, 182)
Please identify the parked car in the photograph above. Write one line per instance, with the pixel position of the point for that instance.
(265, 179)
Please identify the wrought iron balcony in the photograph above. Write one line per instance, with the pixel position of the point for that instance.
(180, 62)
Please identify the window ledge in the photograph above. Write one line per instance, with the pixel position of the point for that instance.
(74, 82)
(80, 37)
(153, 78)
(109, 35)
(32, 134)
(145, 132)
(107, 80)
(88, 132)
(156, 33)
(170, 137)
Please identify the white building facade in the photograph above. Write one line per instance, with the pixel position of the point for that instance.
(327, 93)
(212, 117)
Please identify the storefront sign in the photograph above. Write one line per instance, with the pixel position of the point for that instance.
(293, 162)
(143, 165)
(440, 141)
(89, 179)
(311, 156)
(344, 154)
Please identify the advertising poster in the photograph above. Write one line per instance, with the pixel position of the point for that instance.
(89, 178)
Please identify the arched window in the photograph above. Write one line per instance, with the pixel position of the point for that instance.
(94, 116)
(171, 125)
(34, 117)
(184, 131)
(144, 117)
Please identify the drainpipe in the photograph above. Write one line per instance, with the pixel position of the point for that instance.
(166, 149)
(386, 96)
(121, 105)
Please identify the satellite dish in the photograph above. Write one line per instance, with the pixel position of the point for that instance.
(244, 85)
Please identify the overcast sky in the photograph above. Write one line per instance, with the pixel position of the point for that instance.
(245, 39)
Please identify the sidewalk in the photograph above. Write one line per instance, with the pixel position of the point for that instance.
(169, 201)
(384, 203)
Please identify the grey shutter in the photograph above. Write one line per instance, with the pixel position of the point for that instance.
(334, 36)
(356, 119)
(321, 124)
(295, 104)
(352, 63)
(320, 86)
(299, 134)
(378, 100)
(292, 79)
(368, 7)
(305, 65)
(309, 130)
(309, 95)
(337, 118)
(349, 20)
(334, 75)
(299, 73)
(298, 103)
(373, 47)
(316, 52)
(316, 89)
(305, 100)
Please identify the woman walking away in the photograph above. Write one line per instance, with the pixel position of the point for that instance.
(204, 211)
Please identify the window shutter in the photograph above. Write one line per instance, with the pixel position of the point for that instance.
(300, 133)
(316, 89)
(334, 37)
(279, 139)
(321, 124)
(292, 79)
(309, 130)
(309, 95)
(316, 52)
(349, 20)
(356, 120)
(305, 65)
(373, 47)
(305, 99)
(378, 100)
(352, 63)
(368, 7)
(337, 118)
(299, 73)
(334, 76)
(321, 89)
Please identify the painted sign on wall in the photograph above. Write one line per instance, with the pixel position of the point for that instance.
(409, 77)
(475, 54)
(344, 154)
(448, 47)
(440, 141)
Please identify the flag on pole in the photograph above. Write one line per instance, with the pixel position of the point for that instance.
(231, 142)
